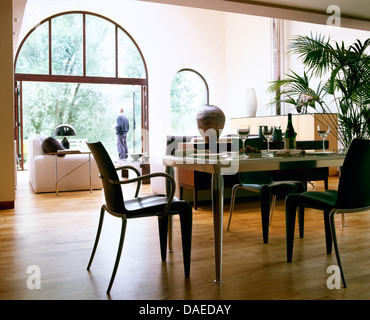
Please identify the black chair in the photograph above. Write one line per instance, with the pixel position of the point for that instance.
(268, 190)
(144, 206)
(353, 195)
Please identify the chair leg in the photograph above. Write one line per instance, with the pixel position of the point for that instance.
(97, 237)
(273, 203)
(186, 221)
(163, 231)
(334, 236)
(170, 233)
(301, 221)
(120, 246)
(181, 192)
(328, 237)
(301, 188)
(326, 183)
(265, 196)
(232, 202)
(195, 198)
(290, 215)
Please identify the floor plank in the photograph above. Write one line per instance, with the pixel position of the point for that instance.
(56, 234)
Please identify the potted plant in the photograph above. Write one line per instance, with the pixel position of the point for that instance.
(348, 84)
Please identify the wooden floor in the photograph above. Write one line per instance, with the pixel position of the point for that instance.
(56, 234)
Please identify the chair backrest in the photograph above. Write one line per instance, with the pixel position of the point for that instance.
(259, 177)
(354, 181)
(112, 192)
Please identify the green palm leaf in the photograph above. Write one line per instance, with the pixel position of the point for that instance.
(348, 82)
(316, 52)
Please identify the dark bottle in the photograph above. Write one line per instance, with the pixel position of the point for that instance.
(290, 135)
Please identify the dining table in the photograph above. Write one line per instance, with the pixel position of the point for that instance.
(225, 163)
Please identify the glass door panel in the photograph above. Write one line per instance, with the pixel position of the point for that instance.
(137, 118)
(92, 109)
(130, 61)
(67, 45)
(100, 47)
(34, 54)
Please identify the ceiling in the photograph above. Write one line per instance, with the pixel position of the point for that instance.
(354, 13)
(356, 9)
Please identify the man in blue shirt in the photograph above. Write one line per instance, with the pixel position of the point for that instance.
(122, 128)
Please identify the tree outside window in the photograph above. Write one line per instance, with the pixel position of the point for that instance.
(189, 92)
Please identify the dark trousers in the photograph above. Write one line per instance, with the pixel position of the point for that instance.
(122, 145)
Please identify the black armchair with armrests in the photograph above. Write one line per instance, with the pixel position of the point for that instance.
(352, 195)
(140, 206)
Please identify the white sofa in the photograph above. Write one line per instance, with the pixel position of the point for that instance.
(41, 168)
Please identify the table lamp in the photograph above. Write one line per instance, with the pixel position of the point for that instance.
(64, 130)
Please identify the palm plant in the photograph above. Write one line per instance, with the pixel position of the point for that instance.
(348, 83)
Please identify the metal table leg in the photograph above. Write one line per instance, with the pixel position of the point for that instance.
(56, 175)
(217, 208)
(90, 172)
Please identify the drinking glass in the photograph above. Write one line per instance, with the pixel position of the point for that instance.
(243, 132)
(267, 132)
(323, 132)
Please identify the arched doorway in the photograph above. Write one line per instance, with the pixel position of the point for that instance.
(79, 68)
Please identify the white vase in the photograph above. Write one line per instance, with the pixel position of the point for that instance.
(250, 102)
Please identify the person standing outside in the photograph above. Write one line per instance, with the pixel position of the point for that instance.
(122, 128)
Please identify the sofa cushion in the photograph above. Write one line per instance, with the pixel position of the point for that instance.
(51, 144)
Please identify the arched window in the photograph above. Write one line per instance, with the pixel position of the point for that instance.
(189, 92)
(79, 68)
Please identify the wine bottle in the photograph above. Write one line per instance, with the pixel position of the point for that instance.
(290, 135)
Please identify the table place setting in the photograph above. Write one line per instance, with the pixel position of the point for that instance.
(290, 153)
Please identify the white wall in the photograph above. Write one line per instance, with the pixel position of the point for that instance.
(248, 62)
